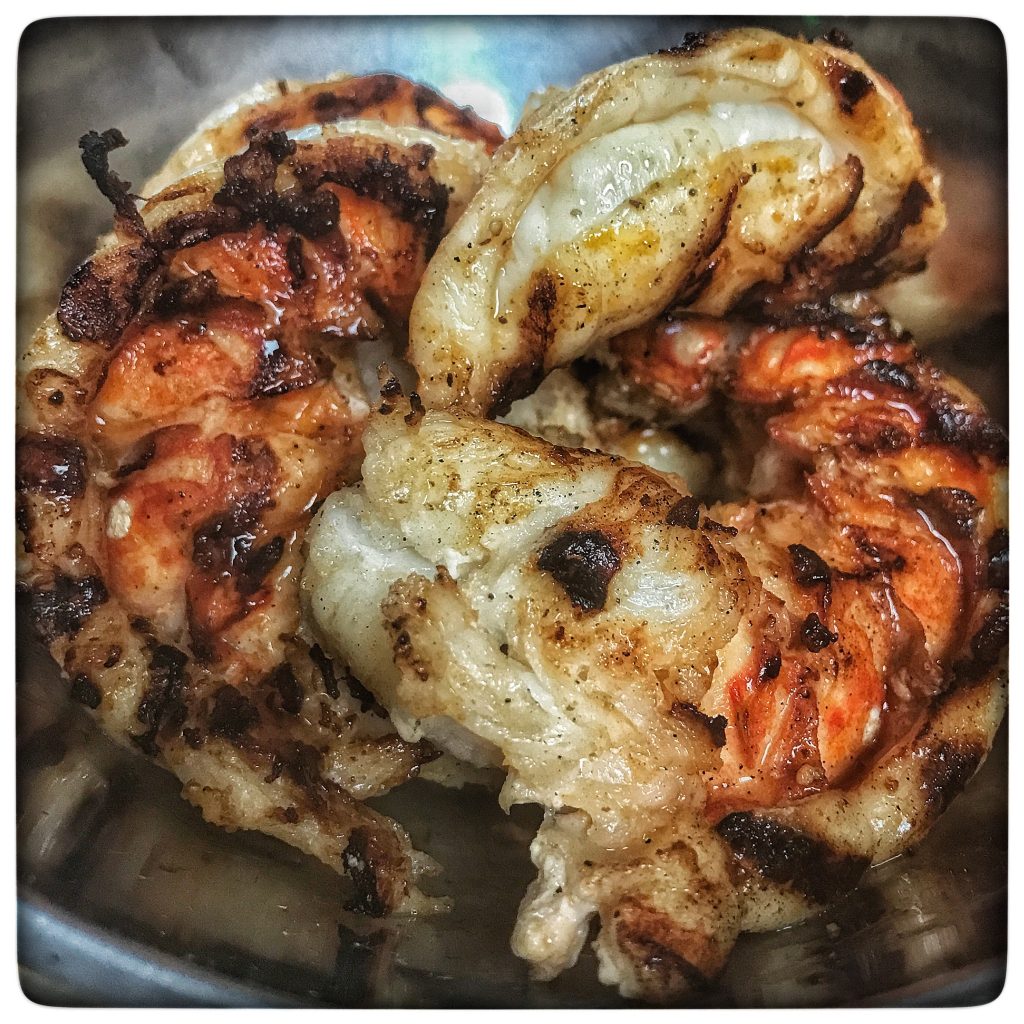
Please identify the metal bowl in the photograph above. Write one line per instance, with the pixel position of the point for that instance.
(128, 898)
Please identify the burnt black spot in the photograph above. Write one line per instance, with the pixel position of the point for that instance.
(390, 388)
(952, 422)
(809, 568)
(946, 770)
(520, 381)
(771, 665)
(190, 294)
(367, 701)
(312, 215)
(296, 264)
(685, 512)
(85, 691)
(583, 563)
(838, 38)
(715, 725)
(999, 560)
(416, 410)
(140, 461)
(54, 466)
(988, 644)
(849, 85)
(289, 690)
(113, 656)
(233, 714)
(816, 636)
(690, 44)
(366, 862)
(715, 527)
(893, 374)
(874, 327)
(162, 700)
(789, 857)
(62, 610)
(225, 548)
(96, 148)
(326, 668)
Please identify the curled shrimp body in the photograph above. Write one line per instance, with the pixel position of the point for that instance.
(183, 413)
(741, 170)
(729, 711)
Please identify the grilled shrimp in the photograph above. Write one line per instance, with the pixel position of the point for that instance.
(191, 402)
(728, 712)
(738, 171)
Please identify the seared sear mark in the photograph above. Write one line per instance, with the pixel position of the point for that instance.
(703, 273)
(367, 701)
(637, 928)
(537, 326)
(946, 769)
(956, 510)
(809, 568)
(816, 636)
(62, 609)
(712, 526)
(162, 698)
(365, 862)
(583, 563)
(685, 512)
(289, 695)
(351, 98)
(233, 714)
(715, 725)
(988, 644)
(912, 206)
(53, 466)
(85, 691)
(104, 293)
(788, 857)
(249, 187)
(326, 668)
(388, 98)
(402, 185)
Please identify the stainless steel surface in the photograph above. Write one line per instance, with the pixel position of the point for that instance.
(127, 897)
